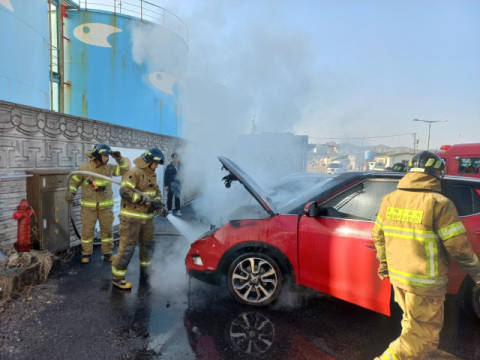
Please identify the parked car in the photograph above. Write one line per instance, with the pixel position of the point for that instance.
(320, 239)
(379, 167)
(461, 159)
(337, 167)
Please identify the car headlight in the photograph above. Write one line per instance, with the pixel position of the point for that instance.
(197, 260)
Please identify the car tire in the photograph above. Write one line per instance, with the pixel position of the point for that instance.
(254, 279)
(476, 300)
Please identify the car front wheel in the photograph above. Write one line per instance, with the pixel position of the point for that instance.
(254, 279)
(476, 300)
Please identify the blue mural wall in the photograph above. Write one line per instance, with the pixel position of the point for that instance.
(24, 52)
(124, 71)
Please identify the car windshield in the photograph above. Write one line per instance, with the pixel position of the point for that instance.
(296, 203)
(334, 166)
(285, 191)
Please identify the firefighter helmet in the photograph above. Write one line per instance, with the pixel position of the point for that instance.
(428, 163)
(153, 155)
(399, 167)
(99, 150)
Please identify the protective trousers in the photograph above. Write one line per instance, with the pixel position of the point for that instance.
(129, 233)
(421, 325)
(105, 217)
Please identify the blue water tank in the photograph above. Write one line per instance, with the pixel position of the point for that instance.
(124, 71)
(24, 52)
(368, 155)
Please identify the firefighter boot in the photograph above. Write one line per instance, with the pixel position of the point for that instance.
(122, 284)
(108, 257)
(85, 259)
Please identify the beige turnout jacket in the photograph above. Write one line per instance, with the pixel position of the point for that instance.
(415, 230)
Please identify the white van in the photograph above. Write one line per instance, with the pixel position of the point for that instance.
(337, 167)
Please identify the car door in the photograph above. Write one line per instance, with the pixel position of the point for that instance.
(335, 249)
(467, 201)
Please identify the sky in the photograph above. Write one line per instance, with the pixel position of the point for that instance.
(338, 70)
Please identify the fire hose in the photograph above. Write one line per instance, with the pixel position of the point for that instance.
(162, 211)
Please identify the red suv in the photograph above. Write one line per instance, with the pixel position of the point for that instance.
(319, 238)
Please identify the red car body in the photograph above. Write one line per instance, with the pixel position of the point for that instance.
(333, 255)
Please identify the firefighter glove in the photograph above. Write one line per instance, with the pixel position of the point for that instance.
(163, 211)
(69, 199)
(383, 271)
(143, 200)
(116, 155)
(155, 206)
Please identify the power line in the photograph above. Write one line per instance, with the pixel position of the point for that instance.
(359, 138)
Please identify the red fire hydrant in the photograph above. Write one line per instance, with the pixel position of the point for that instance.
(23, 215)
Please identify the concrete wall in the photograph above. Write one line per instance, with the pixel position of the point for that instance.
(32, 138)
(24, 52)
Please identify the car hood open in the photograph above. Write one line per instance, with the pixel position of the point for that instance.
(250, 184)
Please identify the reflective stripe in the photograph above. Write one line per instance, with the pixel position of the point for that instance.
(97, 182)
(128, 184)
(432, 258)
(417, 280)
(109, 239)
(117, 272)
(475, 260)
(409, 233)
(135, 197)
(73, 188)
(86, 241)
(93, 204)
(117, 170)
(389, 355)
(76, 178)
(145, 263)
(379, 222)
(151, 192)
(124, 165)
(135, 214)
(380, 249)
(450, 231)
(158, 198)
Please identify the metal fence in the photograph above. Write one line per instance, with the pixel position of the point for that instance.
(142, 10)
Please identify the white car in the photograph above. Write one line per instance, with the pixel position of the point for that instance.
(379, 167)
(337, 167)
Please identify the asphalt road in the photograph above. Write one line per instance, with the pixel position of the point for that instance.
(78, 315)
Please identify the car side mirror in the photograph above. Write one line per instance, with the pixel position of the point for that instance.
(311, 209)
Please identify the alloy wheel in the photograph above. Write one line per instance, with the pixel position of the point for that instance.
(254, 279)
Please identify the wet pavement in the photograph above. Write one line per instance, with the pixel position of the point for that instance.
(78, 315)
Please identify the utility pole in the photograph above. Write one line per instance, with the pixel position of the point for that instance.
(254, 127)
(331, 146)
(414, 143)
(429, 126)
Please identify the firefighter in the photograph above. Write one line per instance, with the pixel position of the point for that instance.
(136, 215)
(97, 199)
(415, 231)
(399, 167)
